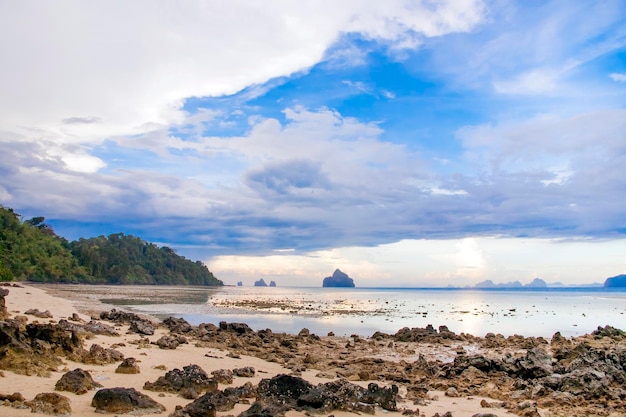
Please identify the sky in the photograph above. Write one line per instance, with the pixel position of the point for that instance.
(408, 143)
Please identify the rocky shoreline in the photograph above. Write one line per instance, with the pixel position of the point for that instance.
(411, 372)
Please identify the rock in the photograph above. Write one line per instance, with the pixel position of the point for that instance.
(247, 390)
(128, 366)
(239, 328)
(50, 403)
(338, 279)
(245, 372)
(171, 341)
(191, 376)
(177, 325)
(41, 314)
(57, 338)
(98, 355)
(223, 376)
(124, 400)
(608, 331)
(260, 283)
(97, 327)
(4, 313)
(536, 364)
(272, 283)
(264, 409)
(284, 389)
(16, 397)
(452, 392)
(141, 327)
(77, 381)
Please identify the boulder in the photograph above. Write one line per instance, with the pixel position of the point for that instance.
(176, 380)
(177, 325)
(223, 376)
(128, 366)
(141, 327)
(99, 355)
(50, 403)
(37, 313)
(285, 389)
(171, 341)
(77, 381)
(124, 400)
(245, 372)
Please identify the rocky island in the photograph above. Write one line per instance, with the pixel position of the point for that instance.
(338, 279)
(618, 281)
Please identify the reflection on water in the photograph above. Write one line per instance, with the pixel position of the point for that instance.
(364, 311)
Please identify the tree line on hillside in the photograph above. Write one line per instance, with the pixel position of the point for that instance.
(30, 250)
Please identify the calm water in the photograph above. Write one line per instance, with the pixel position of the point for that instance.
(363, 311)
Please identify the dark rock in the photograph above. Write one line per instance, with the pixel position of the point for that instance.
(536, 364)
(177, 325)
(264, 409)
(16, 397)
(141, 327)
(124, 400)
(272, 283)
(77, 381)
(171, 341)
(608, 331)
(245, 372)
(4, 313)
(338, 279)
(191, 376)
(260, 283)
(55, 337)
(385, 397)
(50, 403)
(284, 389)
(37, 313)
(128, 366)
(97, 327)
(99, 355)
(239, 328)
(247, 390)
(223, 376)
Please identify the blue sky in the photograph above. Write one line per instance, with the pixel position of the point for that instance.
(421, 143)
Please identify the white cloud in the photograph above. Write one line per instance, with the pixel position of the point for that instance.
(537, 81)
(619, 77)
(78, 72)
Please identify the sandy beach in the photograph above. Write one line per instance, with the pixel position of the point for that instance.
(316, 359)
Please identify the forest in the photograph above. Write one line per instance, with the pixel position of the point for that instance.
(30, 250)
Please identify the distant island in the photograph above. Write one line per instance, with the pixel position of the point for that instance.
(30, 250)
(536, 283)
(618, 281)
(338, 279)
(262, 283)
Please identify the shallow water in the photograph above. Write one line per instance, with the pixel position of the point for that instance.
(363, 311)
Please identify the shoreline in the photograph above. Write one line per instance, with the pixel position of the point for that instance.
(364, 312)
(435, 370)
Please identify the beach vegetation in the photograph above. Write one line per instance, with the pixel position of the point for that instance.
(30, 250)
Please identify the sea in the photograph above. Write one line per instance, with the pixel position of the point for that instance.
(364, 311)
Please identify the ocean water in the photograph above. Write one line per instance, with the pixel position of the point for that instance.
(363, 311)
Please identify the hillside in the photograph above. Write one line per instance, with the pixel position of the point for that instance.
(30, 250)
